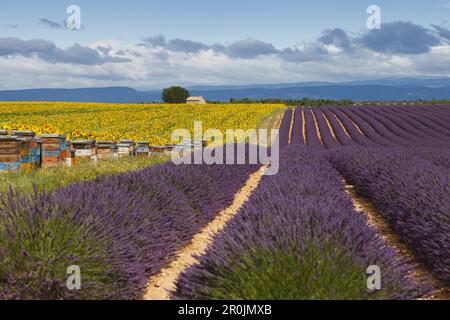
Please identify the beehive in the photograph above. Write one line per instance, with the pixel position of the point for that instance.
(156, 150)
(23, 133)
(64, 153)
(107, 150)
(125, 148)
(26, 138)
(36, 152)
(25, 153)
(9, 153)
(142, 149)
(85, 150)
(70, 153)
(52, 147)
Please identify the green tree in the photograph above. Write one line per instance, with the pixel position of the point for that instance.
(175, 95)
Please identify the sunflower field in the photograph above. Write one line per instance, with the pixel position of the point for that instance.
(152, 122)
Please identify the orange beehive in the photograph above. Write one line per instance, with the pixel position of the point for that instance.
(52, 147)
(157, 150)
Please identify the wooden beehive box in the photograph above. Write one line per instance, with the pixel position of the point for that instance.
(25, 153)
(142, 149)
(125, 148)
(9, 153)
(85, 150)
(64, 153)
(23, 133)
(36, 152)
(158, 150)
(26, 138)
(107, 150)
(70, 153)
(52, 147)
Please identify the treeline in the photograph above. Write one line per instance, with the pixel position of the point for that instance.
(330, 102)
(434, 101)
(411, 103)
(301, 102)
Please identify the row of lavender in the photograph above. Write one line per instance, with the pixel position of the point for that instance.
(401, 128)
(411, 189)
(405, 172)
(386, 126)
(298, 237)
(119, 230)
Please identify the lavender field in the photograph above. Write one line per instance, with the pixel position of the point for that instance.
(298, 236)
(299, 230)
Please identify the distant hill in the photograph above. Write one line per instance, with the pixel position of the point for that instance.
(398, 89)
(109, 95)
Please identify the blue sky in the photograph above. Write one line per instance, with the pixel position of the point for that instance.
(252, 35)
(280, 22)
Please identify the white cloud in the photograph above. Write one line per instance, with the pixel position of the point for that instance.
(151, 67)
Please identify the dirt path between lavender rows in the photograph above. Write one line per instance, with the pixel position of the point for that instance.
(159, 286)
(393, 240)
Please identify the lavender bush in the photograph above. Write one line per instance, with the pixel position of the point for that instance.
(436, 121)
(367, 129)
(416, 133)
(341, 135)
(119, 229)
(298, 237)
(327, 137)
(412, 194)
(312, 137)
(354, 133)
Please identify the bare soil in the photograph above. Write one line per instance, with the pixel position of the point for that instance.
(292, 126)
